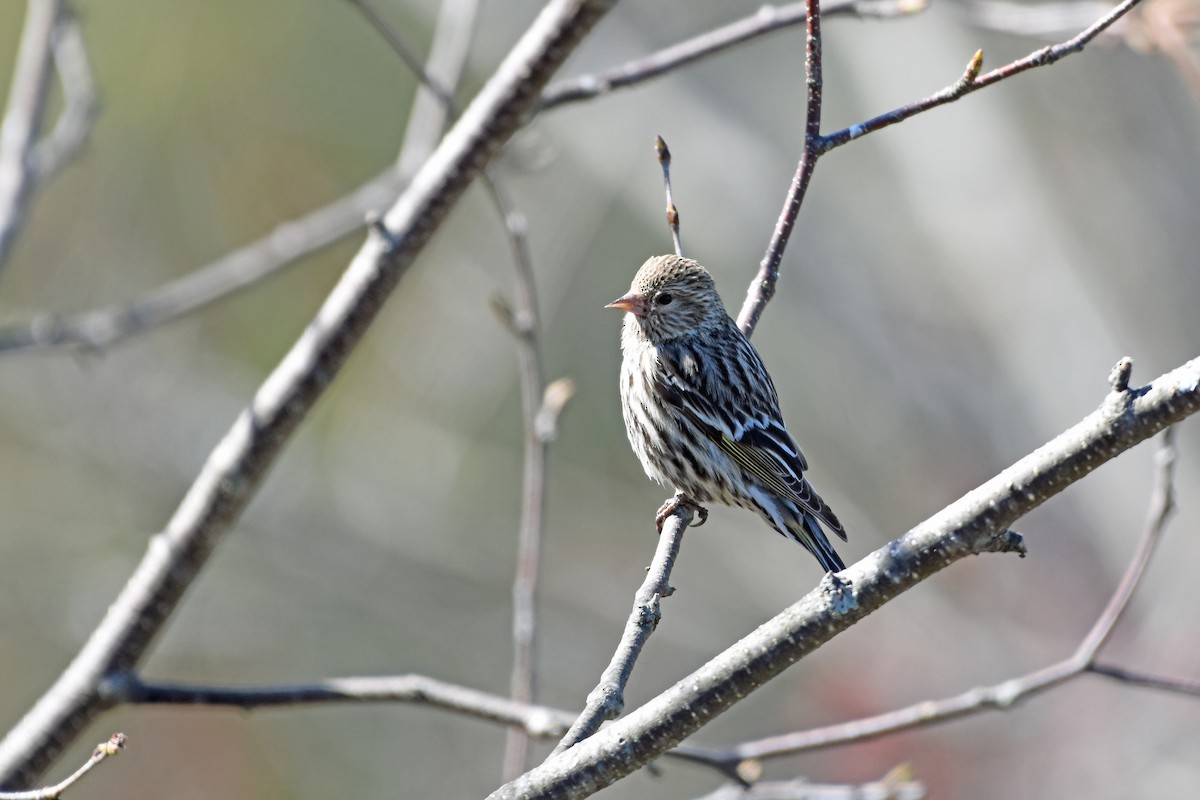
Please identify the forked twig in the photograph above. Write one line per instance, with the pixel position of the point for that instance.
(104, 750)
(762, 288)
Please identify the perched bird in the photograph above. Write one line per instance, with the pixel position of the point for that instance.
(701, 411)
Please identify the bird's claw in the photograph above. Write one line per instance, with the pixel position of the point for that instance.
(674, 504)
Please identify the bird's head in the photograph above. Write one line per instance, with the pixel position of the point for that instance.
(671, 297)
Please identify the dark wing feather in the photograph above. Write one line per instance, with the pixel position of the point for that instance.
(725, 391)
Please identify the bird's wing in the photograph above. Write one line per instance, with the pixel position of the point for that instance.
(727, 393)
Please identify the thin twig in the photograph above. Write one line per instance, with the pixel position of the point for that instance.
(448, 54)
(540, 722)
(762, 288)
(1177, 685)
(235, 469)
(973, 81)
(664, 160)
(963, 528)
(524, 322)
(114, 745)
(607, 700)
(24, 116)
(766, 20)
(430, 82)
(1004, 695)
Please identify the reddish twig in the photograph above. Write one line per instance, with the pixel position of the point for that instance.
(762, 288)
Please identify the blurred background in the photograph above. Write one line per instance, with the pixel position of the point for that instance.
(955, 294)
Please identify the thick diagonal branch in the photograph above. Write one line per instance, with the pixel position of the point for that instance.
(963, 528)
(235, 469)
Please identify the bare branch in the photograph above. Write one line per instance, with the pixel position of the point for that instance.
(664, 160)
(74, 124)
(291, 241)
(762, 288)
(1038, 58)
(961, 529)
(447, 59)
(526, 326)
(1004, 695)
(23, 117)
(114, 745)
(540, 721)
(766, 20)
(443, 93)
(1177, 685)
(608, 698)
(236, 467)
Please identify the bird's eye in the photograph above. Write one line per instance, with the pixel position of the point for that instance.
(663, 298)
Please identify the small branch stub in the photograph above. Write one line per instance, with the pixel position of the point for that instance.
(1118, 379)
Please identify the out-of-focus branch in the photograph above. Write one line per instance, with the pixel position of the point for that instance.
(1007, 694)
(898, 784)
(766, 20)
(23, 117)
(607, 700)
(1122, 675)
(524, 324)
(762, 288)
(540, 406)
(447, 60)
(978, 522)
(539, 721)
(1050, 20)
(236, 467)
(291, 241)
(664, 160)
(74, 124)
(114, 745)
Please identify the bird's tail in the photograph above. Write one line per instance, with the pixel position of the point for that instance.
(804, 528)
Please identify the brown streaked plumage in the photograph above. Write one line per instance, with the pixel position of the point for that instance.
(701, 411)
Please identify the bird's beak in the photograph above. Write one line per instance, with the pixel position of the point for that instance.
(633, 302)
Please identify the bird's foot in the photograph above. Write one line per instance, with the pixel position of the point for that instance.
(677, 502)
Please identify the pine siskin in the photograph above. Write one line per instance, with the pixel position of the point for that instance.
(701, 411)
